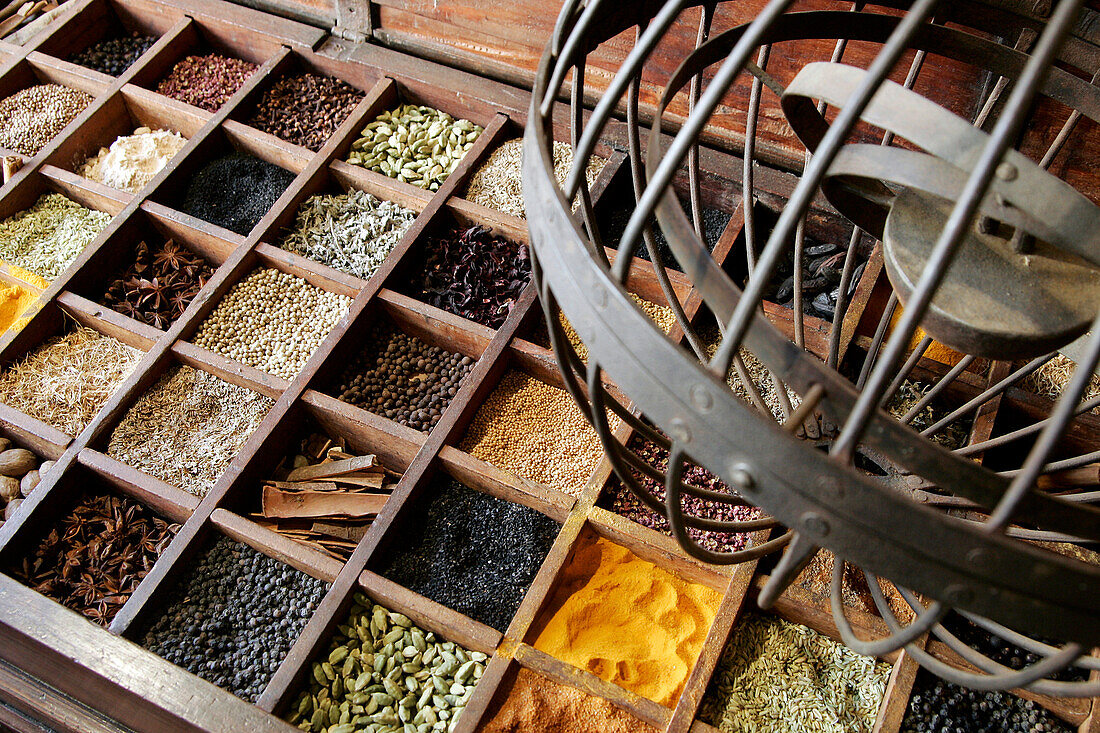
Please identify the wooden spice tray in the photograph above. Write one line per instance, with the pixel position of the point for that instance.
(64, 671)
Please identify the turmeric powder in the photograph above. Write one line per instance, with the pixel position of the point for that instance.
(626, 621)
(14, 301)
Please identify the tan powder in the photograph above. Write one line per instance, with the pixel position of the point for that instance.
(133, 160)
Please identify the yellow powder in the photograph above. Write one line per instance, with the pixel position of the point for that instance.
(14, 301)
(626, 621)
(27, 276)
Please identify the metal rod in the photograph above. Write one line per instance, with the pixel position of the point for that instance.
(706, 14)
(1023, 432)
(938, 387)
(748, 173)
(815, 172)
(876, 340)
(989, 393)
(906, 368)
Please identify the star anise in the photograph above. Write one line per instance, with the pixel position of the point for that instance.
(152, 293)
(171, 256)
(96, 556)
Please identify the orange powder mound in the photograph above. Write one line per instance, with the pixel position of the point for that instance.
(28, 277)
(626, 621)
(936, 351)
(533, 703)
(14, 301)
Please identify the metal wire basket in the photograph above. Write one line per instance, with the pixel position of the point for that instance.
(985, 248)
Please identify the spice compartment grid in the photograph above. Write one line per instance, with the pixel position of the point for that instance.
(451, 459)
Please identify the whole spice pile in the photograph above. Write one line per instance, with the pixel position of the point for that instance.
(472, 552)
(472, 273)
(498, 183)
(272, 321)
(822, 264)
(1004, 652)
(114, 55)
(32, 117)
(66, 380)
(94, 558)
(937, 705)
(622, 500)
(529, 701)
(659, 314)
(325, 497)
(305, 109)
(384, 673)
(234, 617)
(235, 192)
(20, 473)
(953, 436)
(535, 431)
(714, 223)
(48, 236)
(417, 145)
(159, 286)
(219, 417)
(133, 160)
(352, 232)
(402, 378)
(775, 675)
(206, 81)
(626, 620)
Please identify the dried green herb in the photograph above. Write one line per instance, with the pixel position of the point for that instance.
(47, 237)
(352, 232)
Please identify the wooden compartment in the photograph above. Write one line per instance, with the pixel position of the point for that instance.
(224, 141)
(430, 325)
(404, 277)
(36, 70)
(117, 254)
(119, 115)
(104, 19)
(394, 449)
(296, 64)
(82, 666)
(204, 36)
(29, 188)
(64, 490)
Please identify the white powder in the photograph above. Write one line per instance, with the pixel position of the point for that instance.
(133, 160)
